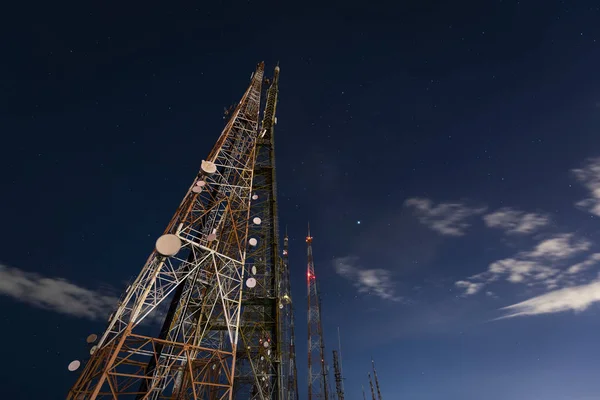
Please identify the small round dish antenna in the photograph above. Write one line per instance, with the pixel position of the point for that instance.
(168, 245)
(253, 270)
(254, 197)
(208, 167)
(91, 338)
(251, 282)
(197, 189)
(252, 242)
(74, 365)
(211, 237)
(257, 221)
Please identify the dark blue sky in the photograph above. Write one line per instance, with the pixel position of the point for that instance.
(463, 136)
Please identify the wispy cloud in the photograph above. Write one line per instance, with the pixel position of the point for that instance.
(514, 221)
(577, 298)
(559, 247)
(55, 294)
(445, 218)
(589, 176)
(376, 282)
(545, 264)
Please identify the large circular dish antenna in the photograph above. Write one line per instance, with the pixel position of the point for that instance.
(168, 245)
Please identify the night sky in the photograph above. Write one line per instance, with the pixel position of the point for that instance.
(446, 154)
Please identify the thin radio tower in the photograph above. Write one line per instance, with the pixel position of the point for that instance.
(338, 376)
(199, 262)
(376, 380)
(372, 390)
(317, 371)
(292, 372)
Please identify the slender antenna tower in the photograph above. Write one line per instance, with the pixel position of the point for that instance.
(338, 376)
(264, 353)
(376, 380)
(317, 370)
(364, 396)
(372, 390)
(341, 361)
(292, 380)
(199, 263)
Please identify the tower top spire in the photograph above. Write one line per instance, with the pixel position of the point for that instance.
(309, 238)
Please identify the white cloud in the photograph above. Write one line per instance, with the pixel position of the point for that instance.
(55, 294)
(470, 287)
(560, 247)
(544, 265)
(514, 221)
(577, 298)
(589, 176)
(584, 265)
(446, 218)
(372, 281)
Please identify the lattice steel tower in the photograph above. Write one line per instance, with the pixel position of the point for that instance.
(203, 264)
(292, 372)
(317, 370)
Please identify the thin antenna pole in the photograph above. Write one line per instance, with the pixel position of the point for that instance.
(376, 380)
(341, 362)
(372, 390)
(364, 396)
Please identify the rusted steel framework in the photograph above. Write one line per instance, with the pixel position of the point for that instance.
(376, 381)
(318, 387)
(264, 357)
(199, 264)
(292, 372)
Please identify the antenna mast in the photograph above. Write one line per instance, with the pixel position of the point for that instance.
(317, 370)
(338, 376)
(372, 390)
(376, 380)
(292, 387)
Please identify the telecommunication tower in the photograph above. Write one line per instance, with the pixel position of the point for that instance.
(203, 264)
(317, 370)
(292, 391)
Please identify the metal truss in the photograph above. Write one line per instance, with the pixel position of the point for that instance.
(194, 356)
(259, 375)
(318, 387)
(289, 356)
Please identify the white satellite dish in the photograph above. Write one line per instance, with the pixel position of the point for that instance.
(208, 167)
(200, 183)
(251, 282)
(197, 189)
(74, 365)
(252, 242)
(93, 350)
(253, 269)
(255, 197)
(257, 221)
(211, 237)
(168, 245)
